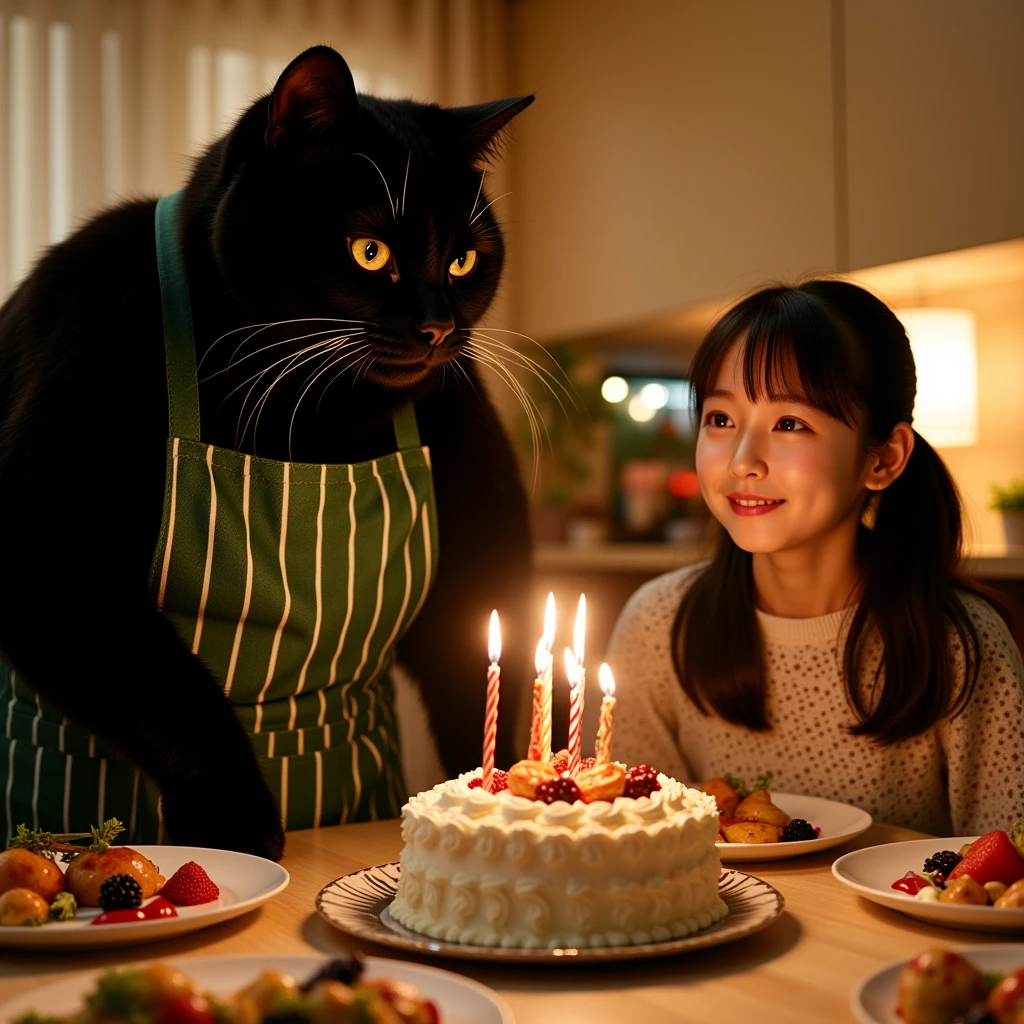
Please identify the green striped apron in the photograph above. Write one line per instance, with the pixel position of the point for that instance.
(292, 582)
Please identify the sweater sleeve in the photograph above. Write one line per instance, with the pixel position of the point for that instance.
(984, 745)
(648, 692)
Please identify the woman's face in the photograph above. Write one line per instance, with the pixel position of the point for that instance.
(777, 475)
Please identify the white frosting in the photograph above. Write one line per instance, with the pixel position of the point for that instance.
(505, 871)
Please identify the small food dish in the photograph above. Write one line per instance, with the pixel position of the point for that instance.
(243, 883)
(773, 818)
(358, 905)
(871, 873)
(936, 979)
(248, 987)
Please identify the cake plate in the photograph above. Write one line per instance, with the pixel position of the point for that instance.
(358, 904)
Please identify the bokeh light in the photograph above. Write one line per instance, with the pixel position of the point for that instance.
(614, 389)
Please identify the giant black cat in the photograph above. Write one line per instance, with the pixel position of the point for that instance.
(363, 219)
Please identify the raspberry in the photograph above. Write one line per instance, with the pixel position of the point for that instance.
(560, 761)
(587, 763)
(562, 788)
(499, 781)
(189, 886)
(120, 892)
(797, 831)
(641, 781)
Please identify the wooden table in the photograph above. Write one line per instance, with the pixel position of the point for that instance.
(801, 968)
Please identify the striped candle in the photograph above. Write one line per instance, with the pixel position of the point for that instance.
(546, 677)
(491, 711)
(572, 670)
(536, 752)
(603, 747)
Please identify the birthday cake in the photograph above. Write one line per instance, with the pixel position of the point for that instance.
(556, 862)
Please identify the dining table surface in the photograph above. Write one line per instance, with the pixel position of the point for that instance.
(802, 967)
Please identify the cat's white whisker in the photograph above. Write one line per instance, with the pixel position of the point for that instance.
(351, 356)
(405, 183)
(479, 189)
(534, 341)
(391, 202)
(287, 341)
(484, 209)
(542, 373)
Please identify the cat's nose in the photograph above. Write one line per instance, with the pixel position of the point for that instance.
(436, 331)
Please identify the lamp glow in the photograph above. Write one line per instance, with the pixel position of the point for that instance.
(614, 389)
(654, 395)
(946, 408)
(639, 410)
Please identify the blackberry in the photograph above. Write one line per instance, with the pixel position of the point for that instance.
(942, 862)
(976, 1015)
(641, 781)
(798, 830)
(120, 892)
(346, 969)
(562, 788)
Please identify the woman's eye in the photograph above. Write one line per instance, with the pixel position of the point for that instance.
(370, 253)
(789, 423)
(463, 265)
(716, 419)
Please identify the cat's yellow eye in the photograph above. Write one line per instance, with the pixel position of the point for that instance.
(464, 264)
(370, 253)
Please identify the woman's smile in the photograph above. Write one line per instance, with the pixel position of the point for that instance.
(753, 504)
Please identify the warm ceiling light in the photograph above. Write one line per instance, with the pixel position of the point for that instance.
(640, 410)
(614, 389)
(654, 395)
(946, 409)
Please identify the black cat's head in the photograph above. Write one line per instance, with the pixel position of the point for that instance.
(373, 214)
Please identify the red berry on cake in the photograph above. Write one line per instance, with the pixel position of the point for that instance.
(189, 886)
(499, 781)
(641, 781)
(560, 761)
(562, 788)
(587, 763)
(476, 783)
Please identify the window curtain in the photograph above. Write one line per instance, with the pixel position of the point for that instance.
(108, 99)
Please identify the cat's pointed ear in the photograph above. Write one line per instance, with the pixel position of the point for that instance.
(314, 95)
(480, 126)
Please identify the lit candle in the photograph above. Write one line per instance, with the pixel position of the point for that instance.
(603, 747)
(572, 670)
(545, 717)
(543, 664)
(491, 712)
(579, 633)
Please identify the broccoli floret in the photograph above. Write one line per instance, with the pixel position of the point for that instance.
(64, 907)
(120, 995)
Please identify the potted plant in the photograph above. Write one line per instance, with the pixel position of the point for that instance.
(1010, 502)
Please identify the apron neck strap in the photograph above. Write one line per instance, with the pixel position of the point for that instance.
(179, 344)
(407, 433)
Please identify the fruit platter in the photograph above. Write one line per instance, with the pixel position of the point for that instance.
(977, 985)
(81, 889)
(757, 824)
(967, 882)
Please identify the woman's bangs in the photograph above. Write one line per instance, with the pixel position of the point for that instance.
(792, 349)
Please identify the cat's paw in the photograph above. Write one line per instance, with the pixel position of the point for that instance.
(244, 818)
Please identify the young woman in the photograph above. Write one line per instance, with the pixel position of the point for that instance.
(831, 639)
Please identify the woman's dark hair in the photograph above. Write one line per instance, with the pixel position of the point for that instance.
(849, 354)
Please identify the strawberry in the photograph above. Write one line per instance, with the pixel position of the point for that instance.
(189, 886)
(499, 781)
(992, 858)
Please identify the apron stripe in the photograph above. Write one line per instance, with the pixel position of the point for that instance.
(357, 781)
(35, 787)
(162, 592)
(426, 556)
(350, 592)
(322, 698)
(9, 787)
(318, 580)
(380, 768)
(285, 479)
(380, 578)
(248, 580)
(284, 791)
(209, 553)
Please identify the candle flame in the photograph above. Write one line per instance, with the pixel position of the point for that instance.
(549, 622)
(572, 669)
(543, 658)
(581, 628)
(606, 679)
(494, 639)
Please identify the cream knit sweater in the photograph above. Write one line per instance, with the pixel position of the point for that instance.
(965, 776)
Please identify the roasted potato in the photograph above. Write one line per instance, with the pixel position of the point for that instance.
(88, 871)
(936, 986)
(759, 807)
(751, 832)
(725, 796)
(1013, 897)
(1006, 1000)
(964, 890)
(23, 869)
(19, 906)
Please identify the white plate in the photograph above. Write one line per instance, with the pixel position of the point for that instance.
(244, 882)
(459, 1000)
(358, 904)
(838, 823)
(871, 872)
(873, 1001)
